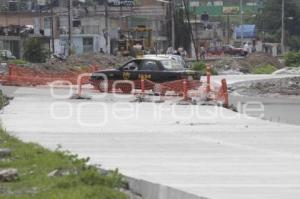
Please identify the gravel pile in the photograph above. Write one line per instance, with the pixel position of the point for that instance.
(279, 86)
(258, 59)
(288, 71)
(231, 66)
(227, 66)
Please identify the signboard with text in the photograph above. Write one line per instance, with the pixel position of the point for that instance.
(232, 10)
(124, 3)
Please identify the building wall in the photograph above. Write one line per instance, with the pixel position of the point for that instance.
(24, 18)
(7, 19)
(79, 41)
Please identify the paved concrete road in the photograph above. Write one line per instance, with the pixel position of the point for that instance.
(242, 78)
(207, 151)
(283, 109)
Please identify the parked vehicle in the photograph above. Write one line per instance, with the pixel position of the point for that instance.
(177, 58)
(231, 50)
(6, 54)
(156, 69)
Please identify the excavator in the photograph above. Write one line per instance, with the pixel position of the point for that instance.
(135, 41)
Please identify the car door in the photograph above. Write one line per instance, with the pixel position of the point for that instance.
(172, 70)
(151, 70)
(130, 71)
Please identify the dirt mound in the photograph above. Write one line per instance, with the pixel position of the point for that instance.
(233, 66)
(58, 69)
(255, 60)
(227, 66)
(77, 63)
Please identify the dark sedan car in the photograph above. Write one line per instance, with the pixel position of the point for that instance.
(156, 70)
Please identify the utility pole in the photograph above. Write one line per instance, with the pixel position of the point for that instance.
(70, 26)
(121, 16)
(173, 22)
(196, 28)
(106, 24)
(52, 27)
(190, 27)
(242, 26)
(282, 28)
(228, 29)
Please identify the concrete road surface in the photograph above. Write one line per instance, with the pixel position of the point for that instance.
(203, 150)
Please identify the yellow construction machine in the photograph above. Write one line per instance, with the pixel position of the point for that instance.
(135, 41)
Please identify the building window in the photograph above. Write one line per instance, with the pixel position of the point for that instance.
(218, 3)
(88, 44)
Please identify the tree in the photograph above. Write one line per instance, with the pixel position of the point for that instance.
(35, 52)
(269, 20)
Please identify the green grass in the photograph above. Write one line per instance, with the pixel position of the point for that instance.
(34, 163)
(201, 67)
(264, 69)
(292, 59)
(18, 62)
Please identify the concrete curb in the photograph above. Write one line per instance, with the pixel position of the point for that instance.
(150, 190)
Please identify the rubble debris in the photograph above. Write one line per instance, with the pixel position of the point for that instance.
(80, 62)
(8, 175)
(61, 172)
(232, 66)
(258, 59)
(288, 71)
(227, 66)
(5, 153)
(277, 86)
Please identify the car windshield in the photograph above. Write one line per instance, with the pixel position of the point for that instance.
(172, 65)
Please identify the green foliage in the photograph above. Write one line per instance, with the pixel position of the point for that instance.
(35, 52)
(34, 163)
(294, 42)
(18, 62)
(264, 69)
(3, 100)
(268, 20)
(292, 59)
(201, 67)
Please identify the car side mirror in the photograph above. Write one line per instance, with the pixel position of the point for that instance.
(121, 68)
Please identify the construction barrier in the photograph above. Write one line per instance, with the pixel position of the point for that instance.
(187, 89)
(23, 76)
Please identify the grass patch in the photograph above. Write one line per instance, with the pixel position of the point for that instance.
(292, 59)
(264, 69)
(75, 180)
(18, 62)
(201, 67)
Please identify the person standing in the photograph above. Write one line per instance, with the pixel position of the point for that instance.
(246, 49)
(202, 53)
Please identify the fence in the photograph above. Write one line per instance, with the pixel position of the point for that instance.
(187, 89)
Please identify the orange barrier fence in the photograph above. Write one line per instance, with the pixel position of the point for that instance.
(188, 89)
(22, 76)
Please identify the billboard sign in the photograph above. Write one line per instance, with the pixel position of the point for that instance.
(232, 10)
(124, 3)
